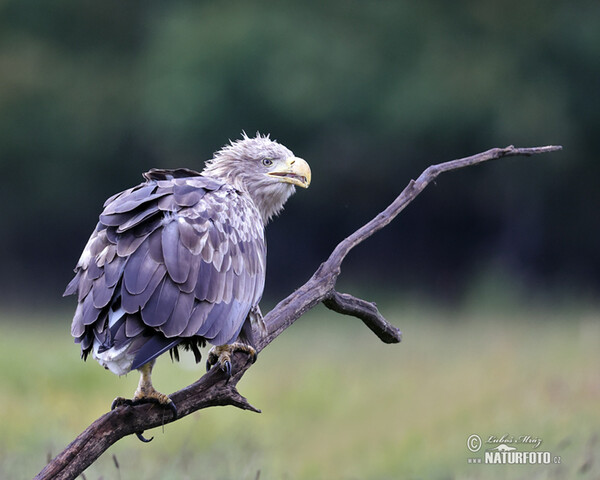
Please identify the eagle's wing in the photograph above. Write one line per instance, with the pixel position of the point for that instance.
(178, 256)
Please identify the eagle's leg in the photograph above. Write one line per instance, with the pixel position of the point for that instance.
(221, 354)
(146, 393)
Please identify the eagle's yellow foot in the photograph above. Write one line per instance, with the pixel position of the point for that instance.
(150, 396)
(222, 355)
(146, 393)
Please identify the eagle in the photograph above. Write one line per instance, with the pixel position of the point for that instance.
(179, 260)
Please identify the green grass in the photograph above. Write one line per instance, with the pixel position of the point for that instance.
(337, 403)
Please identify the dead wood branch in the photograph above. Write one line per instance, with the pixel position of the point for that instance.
(211, 389)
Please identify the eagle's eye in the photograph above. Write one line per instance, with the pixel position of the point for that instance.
(267, 162)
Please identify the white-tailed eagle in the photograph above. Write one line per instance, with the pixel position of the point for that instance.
(179, 260)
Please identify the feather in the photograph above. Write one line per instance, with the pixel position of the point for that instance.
(160, 305)
(213, 234)
(180, 317)
(234, 326)
(135, 200)
(139, 270)
(133, 325)
(85, 285)
(115, 336)
(114, 270)
(237, 260)
(226, 266)
(212, 317)
(208, 251)
(238, 287)
(188, 236)
(132, 303)
(111, 252)
(228, 290)
(85, 314)
(111, 199)
(120, 339)
(100, 325)
(77, 326)
(190, 284)
(177, 257)
(259, 285)
(73, 285)
(115, 219)
(227, 228)
(155, 346)
(93, 271)
(167, 174)
(86, 341)
(127, 221)
(146, 228)
(200, 241)
(89, 312)
(128, 243)
(111, 235)
(132, 200)
(187, 195)
(197, 318)
(224, 322)
(155, 246)
(205, 274)
(102, 256)
(166, 204)
(101, 292)
(246, 336)
(217, 260)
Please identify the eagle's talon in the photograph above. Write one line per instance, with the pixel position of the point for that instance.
(141, 438)
(127, 402)
(158, 401)
(221, 354)
(211, 360)
(173, 409)
(132, 402)
(120, 402)
(226, 367)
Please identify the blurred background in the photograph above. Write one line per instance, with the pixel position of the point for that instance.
(370, 93)
(92, 94)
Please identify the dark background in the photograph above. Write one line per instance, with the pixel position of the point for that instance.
(92, 94)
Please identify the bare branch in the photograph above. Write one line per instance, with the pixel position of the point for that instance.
(348, 305)
(212, 389)
(415, 187)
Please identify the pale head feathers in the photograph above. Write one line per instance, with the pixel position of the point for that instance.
(245, 163)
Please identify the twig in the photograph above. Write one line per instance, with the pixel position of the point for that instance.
(212, 389)
(348, 305)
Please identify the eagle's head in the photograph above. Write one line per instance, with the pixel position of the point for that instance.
(261, 167)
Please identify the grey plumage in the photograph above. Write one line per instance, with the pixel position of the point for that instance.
(180, 258)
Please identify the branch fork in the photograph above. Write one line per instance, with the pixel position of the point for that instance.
(213, 389)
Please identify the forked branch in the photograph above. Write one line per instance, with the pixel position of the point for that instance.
(212, 389)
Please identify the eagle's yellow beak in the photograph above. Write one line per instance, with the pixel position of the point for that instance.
(294, 170)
